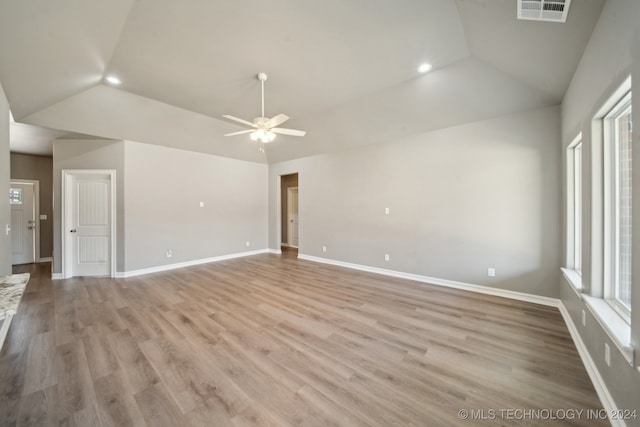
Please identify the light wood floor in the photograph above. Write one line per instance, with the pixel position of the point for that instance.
(270, 340)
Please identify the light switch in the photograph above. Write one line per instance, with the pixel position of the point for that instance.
(202, 204)
(43, 216)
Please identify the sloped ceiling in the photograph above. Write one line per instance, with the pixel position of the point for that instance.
(344, 71)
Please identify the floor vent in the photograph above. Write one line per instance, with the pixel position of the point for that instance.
(543, 10)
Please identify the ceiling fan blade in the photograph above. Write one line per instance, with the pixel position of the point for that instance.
(276, 120)
(235, 119)
(239, 132)
(291, 132)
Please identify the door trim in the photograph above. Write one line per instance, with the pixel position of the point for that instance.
(289, 209)
(67, 176)
(36, 211)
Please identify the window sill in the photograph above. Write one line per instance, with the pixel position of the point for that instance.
(609, 319)
(574, 279)
(613, 324)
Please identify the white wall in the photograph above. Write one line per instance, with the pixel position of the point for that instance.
(159, 190)
(612, 54)
(163, 190)
(87, 154)
(462, 199)
(5, 178)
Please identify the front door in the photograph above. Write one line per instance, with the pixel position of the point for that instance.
(88, 225)
(23, 223)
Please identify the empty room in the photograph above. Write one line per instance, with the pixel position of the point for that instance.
(319, 213)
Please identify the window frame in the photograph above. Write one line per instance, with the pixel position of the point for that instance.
(574, 207)
(15, 196)
(621, 105)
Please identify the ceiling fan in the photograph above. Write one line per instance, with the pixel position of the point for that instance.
(263, 128)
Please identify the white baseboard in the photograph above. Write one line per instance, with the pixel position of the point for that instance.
(125, 274)
(46, 259)
(275, 251)
(521, 296)
(598, 383)
(56, 276)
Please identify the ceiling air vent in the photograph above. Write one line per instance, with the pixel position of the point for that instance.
(543, 10)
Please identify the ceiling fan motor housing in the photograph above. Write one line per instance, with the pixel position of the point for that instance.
(260, 121)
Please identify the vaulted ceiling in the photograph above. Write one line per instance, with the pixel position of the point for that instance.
(343, 70)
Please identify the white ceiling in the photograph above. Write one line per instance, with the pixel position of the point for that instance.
(344, 71)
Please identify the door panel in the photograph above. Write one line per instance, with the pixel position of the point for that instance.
(90, 225)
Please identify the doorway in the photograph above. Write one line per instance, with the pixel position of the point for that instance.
(292, 217)
(88, 214)
(25, 238)
(289, 224)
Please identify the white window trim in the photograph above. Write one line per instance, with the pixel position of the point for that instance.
(575, 278)
(614, 325)
(611, 322)
(620, 104)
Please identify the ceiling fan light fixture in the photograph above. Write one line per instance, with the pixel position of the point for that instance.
(269, 136)
(263, 136)
(265, 128)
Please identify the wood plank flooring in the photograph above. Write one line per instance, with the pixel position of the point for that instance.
(275, 341)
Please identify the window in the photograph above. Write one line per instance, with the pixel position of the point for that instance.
(15, 196)
(574, 205)
(617, 139)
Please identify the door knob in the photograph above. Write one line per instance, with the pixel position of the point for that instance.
(73, 230)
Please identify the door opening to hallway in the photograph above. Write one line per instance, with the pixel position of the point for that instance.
(289, 211)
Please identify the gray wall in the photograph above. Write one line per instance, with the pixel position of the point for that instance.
(160, 189)
(163, 190)
(462, 199)
(613, 53)
(40, 168)
(5, 208)
(287, 182)
(88, 154)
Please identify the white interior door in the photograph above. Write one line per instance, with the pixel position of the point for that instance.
(23, 223)
(88, 225)
(292, 216)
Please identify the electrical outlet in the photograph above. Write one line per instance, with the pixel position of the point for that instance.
(324, 249)
(584, 318)
(386, 257)
(169, 253)
(248, 243)
(202, 204)
(491, 272)
(607, 354)
(386, 211)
